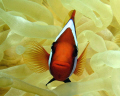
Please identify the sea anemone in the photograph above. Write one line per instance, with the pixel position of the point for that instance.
(97, 22)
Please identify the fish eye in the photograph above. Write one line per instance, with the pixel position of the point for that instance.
(52, 47)
(75, 51)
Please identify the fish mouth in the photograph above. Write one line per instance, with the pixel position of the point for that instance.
(61, 64)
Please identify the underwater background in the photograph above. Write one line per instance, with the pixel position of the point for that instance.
(97, 22)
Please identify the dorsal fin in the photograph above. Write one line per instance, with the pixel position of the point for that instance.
(73, 14)
(36, 57)
(70, 15)
(81, 62)
(69, 29)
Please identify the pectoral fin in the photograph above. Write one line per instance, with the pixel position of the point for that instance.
(36, 57)
(81, 62)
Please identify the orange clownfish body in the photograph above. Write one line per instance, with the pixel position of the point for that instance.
(63, 57)
(62, 60)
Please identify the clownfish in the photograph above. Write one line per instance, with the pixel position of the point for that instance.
(63, 59)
